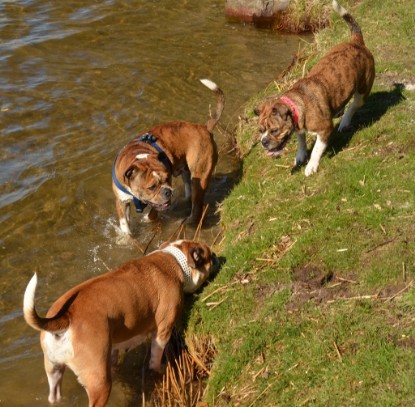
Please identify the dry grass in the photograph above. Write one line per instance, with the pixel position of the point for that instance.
(305, 16)
(188, 366)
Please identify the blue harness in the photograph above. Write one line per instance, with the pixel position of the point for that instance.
(150, 139)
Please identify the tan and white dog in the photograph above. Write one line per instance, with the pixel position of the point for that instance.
(346, 70)
(142, 171)
(86, 327)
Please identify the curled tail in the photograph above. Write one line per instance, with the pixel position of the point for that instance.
(351, 22)
(211, 123)
(57, 324)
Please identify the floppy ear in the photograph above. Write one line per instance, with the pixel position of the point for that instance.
(196, 257)
(282, 110)
(257, 110)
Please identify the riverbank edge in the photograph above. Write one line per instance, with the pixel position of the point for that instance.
(315, 303)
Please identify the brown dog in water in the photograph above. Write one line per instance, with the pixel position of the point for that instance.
(116, 311)
(310, 105)
(142, 171)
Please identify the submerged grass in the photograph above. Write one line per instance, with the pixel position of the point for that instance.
(315, 304)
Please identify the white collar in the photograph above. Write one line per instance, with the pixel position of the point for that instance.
(189, 284)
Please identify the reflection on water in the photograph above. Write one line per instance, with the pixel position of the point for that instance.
(78, 80)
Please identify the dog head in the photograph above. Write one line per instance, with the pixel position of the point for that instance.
(200, 261)
(276, 125)
(150, 180)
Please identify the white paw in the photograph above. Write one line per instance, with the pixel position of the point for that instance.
(146, 218)
(124, 226)
(311, 168)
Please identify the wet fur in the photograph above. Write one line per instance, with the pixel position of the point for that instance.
(86, 327)
(192, 152)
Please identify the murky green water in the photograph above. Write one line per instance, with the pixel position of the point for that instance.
(78, 80)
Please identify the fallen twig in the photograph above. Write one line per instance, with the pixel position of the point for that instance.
(400, 291)
(382, 244)
(338, 351)
(199, 226)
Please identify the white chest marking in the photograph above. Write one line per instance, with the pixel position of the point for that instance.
(123, 197)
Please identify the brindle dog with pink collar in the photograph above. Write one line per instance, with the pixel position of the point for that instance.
(310, 105)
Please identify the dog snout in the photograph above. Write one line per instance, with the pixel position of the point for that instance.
(167, 193)
(265, 142)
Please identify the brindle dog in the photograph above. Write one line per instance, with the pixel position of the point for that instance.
(310, 105)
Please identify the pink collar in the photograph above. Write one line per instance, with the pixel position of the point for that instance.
(293, 107)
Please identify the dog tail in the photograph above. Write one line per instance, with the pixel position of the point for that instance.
(211, 123)
(351, 22)
(57, 324)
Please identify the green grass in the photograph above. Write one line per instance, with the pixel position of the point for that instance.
(283, 336)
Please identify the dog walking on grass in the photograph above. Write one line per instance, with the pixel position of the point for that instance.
(346, 71)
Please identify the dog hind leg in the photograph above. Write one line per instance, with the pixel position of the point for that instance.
(55, 376)
(187, 184)
(98, 394)
(358, 101)
(95, 376)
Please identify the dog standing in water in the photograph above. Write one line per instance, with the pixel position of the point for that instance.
(142, 171)
(86, 327)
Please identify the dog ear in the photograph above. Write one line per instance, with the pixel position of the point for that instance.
(196, 256)
(283, 111)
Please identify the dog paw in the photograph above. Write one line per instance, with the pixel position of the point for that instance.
(310, 169)
(300, 160)
(150, 216)
(343, 126)
(158, 372)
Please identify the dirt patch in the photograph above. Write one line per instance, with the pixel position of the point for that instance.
(314, 283)
(405, 342)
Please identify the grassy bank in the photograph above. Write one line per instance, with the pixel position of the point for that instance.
(315, 304)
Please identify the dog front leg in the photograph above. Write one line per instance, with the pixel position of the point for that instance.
(123, 210)
(301, 157)
(318, 150)
(158, 344)
(151, 215)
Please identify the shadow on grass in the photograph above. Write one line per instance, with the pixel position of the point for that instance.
(376, 106)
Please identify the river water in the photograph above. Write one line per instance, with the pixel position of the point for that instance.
(78, 80)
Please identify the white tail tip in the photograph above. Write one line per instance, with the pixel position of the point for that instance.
(29, 295)
(211, 85)
(339, 9)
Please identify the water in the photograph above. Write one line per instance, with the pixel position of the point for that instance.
(78, 80)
